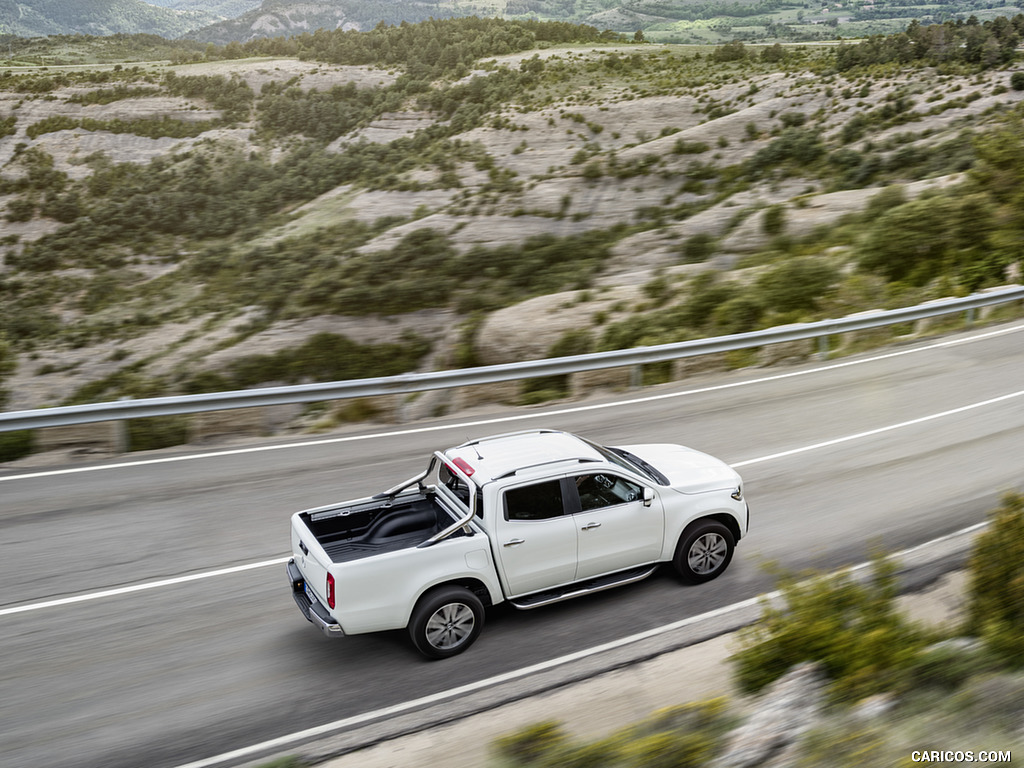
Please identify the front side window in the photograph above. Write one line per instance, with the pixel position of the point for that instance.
(601, 489)
(540, 501)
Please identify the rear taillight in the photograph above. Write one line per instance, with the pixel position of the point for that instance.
(330, 591)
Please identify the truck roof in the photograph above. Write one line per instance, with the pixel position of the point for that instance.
(513, 453)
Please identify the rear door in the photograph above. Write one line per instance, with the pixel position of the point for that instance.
(615, 530)
(534, 537)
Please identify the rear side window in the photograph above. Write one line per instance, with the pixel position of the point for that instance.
(540, 501)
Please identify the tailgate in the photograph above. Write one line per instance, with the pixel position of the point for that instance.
(310, 559)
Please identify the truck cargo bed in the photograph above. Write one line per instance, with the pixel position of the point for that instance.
(350, 533)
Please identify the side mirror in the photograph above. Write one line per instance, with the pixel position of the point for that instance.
(648, 496)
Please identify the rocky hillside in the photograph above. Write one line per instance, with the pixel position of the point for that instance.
(222, 9)
(282, 18)
(187, 228)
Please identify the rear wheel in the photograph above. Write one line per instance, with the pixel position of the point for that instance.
(446, 622)
(704, 552)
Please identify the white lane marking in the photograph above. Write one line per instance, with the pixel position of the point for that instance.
(140, 587)
(462, 690)
(879, 430)
(280, 560)
(517, 417)
(397, 709)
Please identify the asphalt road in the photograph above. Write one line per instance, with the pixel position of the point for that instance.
(893, 448)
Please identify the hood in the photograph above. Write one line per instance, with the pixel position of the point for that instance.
(687, 470)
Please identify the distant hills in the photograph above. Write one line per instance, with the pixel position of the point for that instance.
(668, 21)
(38, 18)
(216, 21)
(276, 18)
(224, 9)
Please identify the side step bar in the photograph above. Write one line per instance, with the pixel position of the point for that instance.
(588, 587)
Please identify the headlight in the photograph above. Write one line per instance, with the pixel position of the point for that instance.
(738, 493)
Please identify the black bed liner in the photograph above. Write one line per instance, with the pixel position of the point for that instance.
(352, 533)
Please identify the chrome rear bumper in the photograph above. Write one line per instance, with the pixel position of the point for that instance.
(311, 608)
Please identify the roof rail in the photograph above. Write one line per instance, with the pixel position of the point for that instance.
(517, 470)
(512, 434)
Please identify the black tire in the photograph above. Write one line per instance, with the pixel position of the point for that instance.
(446, 622)
(704, 552)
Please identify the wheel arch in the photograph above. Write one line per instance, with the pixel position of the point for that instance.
(719, 516)
(476, 586)
(725, 519)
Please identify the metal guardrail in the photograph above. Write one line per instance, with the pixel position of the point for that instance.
(420, 382)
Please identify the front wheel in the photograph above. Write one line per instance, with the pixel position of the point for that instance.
(446, 622)
(704, 552)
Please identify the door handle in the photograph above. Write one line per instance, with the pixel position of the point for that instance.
(590, 525)
(514, 542)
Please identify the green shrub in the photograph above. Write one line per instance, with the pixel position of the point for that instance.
(993, 702)
(51, 125)
(682, 147)
(793, 119)
(892, 196)
(668, 750)
(656, 373)
(659, 290)
(684, 736)
(16, 445)
(732, 51)
(531, 744)
(795, 146)
(157, 432)
(774, 220)
(796, 285)
(947, 666)
(327, 357)
(952, 234)
(21, 209)
(356, 410)
(774, 53)
(593, 170)
(852, 629)
(707, 292)
(995, 608)
(843, 745)
(737, 315)
(698, 248)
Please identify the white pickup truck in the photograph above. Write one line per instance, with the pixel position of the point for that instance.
(529, 517)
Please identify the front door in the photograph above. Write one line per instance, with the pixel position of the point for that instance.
(615, 530)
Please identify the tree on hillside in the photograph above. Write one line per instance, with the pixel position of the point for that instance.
(924, 238)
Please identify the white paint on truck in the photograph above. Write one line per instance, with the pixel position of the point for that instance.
(528, 517)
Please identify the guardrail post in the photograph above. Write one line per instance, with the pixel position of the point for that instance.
(122, 438)
(636, 377)
(970, 317)
(823, 347)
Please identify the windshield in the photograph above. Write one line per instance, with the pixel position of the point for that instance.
(629, 461)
